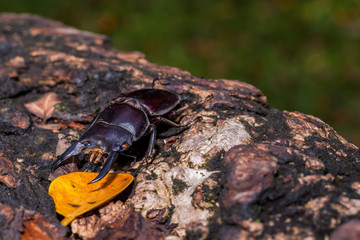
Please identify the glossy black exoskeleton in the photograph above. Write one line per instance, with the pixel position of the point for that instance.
(125, 121)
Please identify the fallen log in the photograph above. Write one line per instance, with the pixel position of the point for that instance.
(245, 171)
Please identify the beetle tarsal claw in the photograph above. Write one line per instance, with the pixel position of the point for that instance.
(106, 168)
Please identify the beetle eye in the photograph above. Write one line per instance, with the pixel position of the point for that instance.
(125, 146)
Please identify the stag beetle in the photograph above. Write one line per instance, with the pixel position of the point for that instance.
(124, 121)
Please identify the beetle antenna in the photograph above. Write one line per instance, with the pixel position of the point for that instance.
(106, 168)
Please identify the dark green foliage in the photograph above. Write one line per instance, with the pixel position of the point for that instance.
(302, 54)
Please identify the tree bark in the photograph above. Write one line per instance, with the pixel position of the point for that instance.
(245, 170)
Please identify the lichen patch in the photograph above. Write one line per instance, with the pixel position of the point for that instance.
(184, 211)
(223, 136)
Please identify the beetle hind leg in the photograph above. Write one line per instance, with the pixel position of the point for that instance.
(174, 113)
(174, 124)
(191, 105)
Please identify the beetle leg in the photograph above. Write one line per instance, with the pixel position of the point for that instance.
(131, 156)
(158, 79)
(201, 101)
(152, 130)
(106, 167)
(174, 124)
(71, 151)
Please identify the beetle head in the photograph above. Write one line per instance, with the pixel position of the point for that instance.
(109, 139)
(100, 138)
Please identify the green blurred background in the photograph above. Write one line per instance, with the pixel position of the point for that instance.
(304, 55)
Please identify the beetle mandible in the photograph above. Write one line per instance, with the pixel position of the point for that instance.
(124, 121)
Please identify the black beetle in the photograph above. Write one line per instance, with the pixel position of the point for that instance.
(124, 121)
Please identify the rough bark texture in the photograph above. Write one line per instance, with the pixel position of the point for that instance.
(245, 171)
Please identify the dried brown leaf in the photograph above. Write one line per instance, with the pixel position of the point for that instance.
(50, 126)
(44, 106)
(20, 120)
(77, 126)
(8, 173)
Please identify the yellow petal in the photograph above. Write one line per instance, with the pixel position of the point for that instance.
(73, 196)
